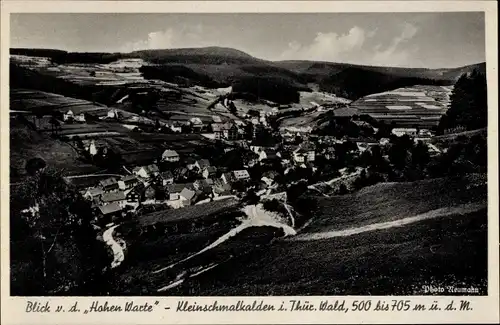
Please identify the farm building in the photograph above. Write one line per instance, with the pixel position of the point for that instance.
(109, 184)
(70, 116)
(127, 182)
(170, 156)
(109, 212)
(148, 171)
(114, 197)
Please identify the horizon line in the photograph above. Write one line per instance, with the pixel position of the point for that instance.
(232, 48)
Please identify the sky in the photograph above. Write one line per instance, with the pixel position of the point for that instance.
(419, 40)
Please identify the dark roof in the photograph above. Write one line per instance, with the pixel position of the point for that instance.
(187, 193)
(108, 182)
(177, 188)
(211, 169)
(203, 163)
(114, 196)
(129, 178)
(110, 208)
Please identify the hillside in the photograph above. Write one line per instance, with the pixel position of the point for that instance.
(216, 67)
(342, 252)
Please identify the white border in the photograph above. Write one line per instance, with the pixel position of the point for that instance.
(485, 308)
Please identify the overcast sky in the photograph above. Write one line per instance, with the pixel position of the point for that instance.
(431, 40)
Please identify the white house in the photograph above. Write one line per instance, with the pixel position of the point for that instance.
(69, 115)
(241, 174)
(402, 131)
(170, 155)
(113, 113)
(146, 171)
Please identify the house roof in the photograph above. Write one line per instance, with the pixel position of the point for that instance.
(228, 176)
(129, 178)
(94, 191)
(221, 187)
(241, 174)
(110, 208)
(203, 163)
(211, 169)
(114, 196)
(270, 153)
(217, 127)
(187, 193)
(216, 119)
(170, 153)
(177, 188)
(108, 182)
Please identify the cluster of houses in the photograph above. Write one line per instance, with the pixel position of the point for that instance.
(115, 196)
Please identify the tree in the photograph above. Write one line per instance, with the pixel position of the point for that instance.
(468, 104)
(34, 165)
(64, 254)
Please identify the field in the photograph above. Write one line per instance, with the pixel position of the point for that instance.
(26, 144)
(417, 105)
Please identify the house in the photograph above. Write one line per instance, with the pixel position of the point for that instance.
(174, 190)
(268, 154)
(110, 212)
(227, 178)
(79, 117)
(221, 189)
(170, 156)
(241, 175)
(187, 196)
(127, 182)
(150, 193)
(217, 129)
(202, 164)
(114, 197)
(176, 128)
(166, 178)
(134, 196)
(267, 181)
(148, 171)
(230, 131)
(93, 193)
(304, 153)
(216, 119)
(402, 131)
(196, 123)
(68, 116)
(209, 172)
(204, 185)
(109, 184)
(113, 113)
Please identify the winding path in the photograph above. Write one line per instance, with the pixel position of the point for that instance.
(442, 212)
(118, 253)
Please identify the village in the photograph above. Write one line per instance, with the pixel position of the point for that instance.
(264, 161)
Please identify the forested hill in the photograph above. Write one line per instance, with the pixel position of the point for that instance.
(222, 67)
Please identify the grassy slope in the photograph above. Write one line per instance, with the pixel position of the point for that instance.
(392, 201)
(444, 250)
